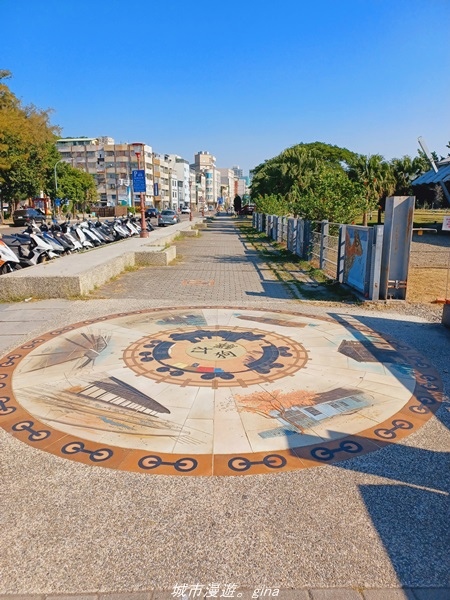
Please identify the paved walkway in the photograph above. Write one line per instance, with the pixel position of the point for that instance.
(373, 527)
(219, 267)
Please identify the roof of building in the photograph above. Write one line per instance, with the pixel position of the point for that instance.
(430, 177)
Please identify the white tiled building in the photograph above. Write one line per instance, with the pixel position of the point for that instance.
(111, 165)
(181, 179)
(205, 166)
(228, 186)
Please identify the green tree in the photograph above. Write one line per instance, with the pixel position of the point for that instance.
(272, 205)
(276, 176)
(78, 186)
(310, 181)
(405, 170)
(375, 176)
(27, 146)
(330, 196)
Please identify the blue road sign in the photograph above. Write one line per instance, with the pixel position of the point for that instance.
(139, 181)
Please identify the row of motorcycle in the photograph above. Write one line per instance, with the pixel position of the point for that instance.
(40, 244)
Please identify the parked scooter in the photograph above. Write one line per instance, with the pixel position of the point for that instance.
(9, 262)
(44, 235)
(90, 235)
(120, 231)
(132, 225)
(30, 248)
(66, 231)
(106, 231)
(51, 234)
(81, 236)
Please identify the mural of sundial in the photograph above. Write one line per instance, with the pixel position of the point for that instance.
(209, 391)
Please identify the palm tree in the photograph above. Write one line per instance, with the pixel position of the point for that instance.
(376, 177)
(405, 170)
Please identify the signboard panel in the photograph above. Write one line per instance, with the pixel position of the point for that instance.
(446, 223)
(139, 184)
(357, 256)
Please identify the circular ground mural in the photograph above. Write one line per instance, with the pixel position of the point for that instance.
(215, 391)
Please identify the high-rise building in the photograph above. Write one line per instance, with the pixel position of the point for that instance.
(161, 173)
(228, 186)
(181, 175)
(205, 166)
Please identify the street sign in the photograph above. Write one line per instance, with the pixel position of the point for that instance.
(446, 223)
(155, 189)
(139, 181)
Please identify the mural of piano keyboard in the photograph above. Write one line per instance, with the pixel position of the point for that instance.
(215, 391)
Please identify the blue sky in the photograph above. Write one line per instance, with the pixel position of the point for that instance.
(241, 79)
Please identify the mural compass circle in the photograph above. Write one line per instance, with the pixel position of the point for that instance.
(221, 356)
(209, 391)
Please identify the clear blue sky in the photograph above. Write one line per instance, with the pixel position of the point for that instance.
(241, 79)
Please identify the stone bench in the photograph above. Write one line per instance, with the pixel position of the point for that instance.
(78, 274)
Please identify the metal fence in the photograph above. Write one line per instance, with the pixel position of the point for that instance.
(383, 261)
(324, 250)
(331, 248)
(315, 241)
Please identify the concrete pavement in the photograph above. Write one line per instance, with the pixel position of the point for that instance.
(375, 526)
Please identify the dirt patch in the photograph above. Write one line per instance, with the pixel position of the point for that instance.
(428, 285)
(429, 268)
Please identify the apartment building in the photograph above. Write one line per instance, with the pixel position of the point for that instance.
(205, 166)
(162, 184)
(243, 186)
(228, 185)
(181, 178)
(111, 165)
(171, 182)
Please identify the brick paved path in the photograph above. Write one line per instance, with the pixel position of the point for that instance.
(216, 266)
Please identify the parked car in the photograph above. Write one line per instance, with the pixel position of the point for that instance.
(151, 213)
(168, 217)
(248, 209)
(27, 215)
(185, 210)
